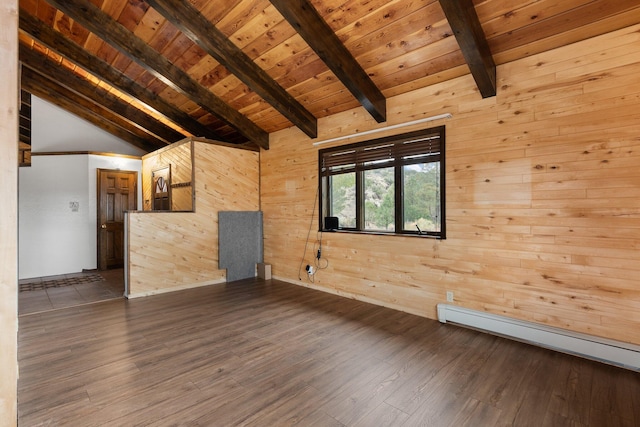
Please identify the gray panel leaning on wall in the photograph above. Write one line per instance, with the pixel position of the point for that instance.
(240, 243)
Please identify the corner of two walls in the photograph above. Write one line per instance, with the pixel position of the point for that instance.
(177, 250)
(542, 189)
(9, 119)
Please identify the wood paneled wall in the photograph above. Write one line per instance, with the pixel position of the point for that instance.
(178, 157)
(9, 113)
(543, 197)
(176, 250)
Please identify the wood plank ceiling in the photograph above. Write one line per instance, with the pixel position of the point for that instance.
(153, 72)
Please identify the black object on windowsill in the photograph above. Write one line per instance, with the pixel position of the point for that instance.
(331, 223)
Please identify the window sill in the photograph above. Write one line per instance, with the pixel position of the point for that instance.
(382, 233)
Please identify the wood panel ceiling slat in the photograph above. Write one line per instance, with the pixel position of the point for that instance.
(238, 16)
(131, 15)
(165, 33)
(45, 12)
(287, 66)
(434, 66)
(257, 28)
(68, 49)
(31, 5)
(215, 11)
(506, 19)
(121, 62)
(279, 37)
(112, 8)
(564, 21)
(208, 72)
(136, 49)
(340, 13)
(428, 79)
(304, 18)
(286, 61)
(401, 36)
(215, 43)
(61, 72)
(71, 29)
(401, 45)
(390, 21)
(67, 100)
(149, 25)
(103, 50)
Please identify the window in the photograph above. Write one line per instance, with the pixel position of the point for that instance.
(391, 185)
(161, 179)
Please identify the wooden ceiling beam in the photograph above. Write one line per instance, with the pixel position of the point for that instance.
(465, 24)
(25, 117)
(52, 92)
(109, 30)
(202, 32)
(137, 118)
(306, 20)
(55, 41)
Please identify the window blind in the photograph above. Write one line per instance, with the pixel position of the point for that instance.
(414, 147)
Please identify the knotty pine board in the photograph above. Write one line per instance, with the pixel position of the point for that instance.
(543, 186)
(9, 137)
(178, 157)
(176, 250)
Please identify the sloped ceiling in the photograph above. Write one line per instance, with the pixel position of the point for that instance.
(153, 72)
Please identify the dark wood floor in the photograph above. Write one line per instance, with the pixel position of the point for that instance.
(257, 353)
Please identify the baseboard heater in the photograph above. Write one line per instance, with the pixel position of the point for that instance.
(604, 350)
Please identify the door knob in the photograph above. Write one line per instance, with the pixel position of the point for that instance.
(103, 226)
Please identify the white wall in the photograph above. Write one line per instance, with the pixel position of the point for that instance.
(54, 239)
(54, 130)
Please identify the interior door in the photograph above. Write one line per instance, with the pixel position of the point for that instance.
(116, 195)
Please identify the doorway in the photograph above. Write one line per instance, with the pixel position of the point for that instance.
(116, 191)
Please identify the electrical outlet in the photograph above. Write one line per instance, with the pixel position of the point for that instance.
(449, 296)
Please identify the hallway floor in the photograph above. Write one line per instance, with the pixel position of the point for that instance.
(67, 290)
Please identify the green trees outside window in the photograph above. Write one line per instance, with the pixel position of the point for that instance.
(389, 185)
(422, 197)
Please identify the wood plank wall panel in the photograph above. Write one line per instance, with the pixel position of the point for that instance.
(9, 114)
(543, 190)
(176, 250)
(178, 157)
